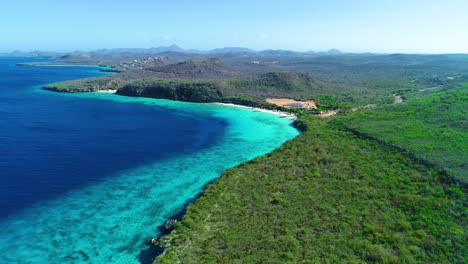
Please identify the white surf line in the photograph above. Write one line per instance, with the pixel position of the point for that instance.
(107, 91)
(276, 112)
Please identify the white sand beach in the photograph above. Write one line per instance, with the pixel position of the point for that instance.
(276, 112)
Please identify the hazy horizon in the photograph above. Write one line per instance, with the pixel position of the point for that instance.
(207, 50)
(388, 26)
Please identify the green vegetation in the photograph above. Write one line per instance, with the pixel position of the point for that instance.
(326, 196)
(273, 84)
(239, 91)
(326, 102)
(433, 128)
(87, 85)
(276, 84)
(372, 79)
(385, 181)
(191, 91)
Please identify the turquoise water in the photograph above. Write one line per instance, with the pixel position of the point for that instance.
(108, 221)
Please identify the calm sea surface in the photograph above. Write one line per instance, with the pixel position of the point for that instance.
(87, 178)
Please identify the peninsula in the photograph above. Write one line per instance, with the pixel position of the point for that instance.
(384, 180)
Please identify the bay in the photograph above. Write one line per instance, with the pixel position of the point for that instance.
(87, 178)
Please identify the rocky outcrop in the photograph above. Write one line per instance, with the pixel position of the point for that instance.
(170, 224)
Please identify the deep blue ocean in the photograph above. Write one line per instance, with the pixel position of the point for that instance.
(90, 177)
(50, 145)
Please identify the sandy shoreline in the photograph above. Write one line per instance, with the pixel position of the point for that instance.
(276, 112)
(107, 91)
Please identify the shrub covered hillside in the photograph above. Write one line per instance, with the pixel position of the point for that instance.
(327, 196)
(86, 85)
(274, 84)
(190, 91)
(345, 81)
(433, 128)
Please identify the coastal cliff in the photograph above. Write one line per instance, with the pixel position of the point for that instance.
(189, 91)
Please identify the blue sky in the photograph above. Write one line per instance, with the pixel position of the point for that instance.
(411, 26)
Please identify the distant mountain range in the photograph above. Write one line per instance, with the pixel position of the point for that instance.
(175, 48)
(36, 53)
(172, 48)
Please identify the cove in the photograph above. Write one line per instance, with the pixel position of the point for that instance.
(134, 163)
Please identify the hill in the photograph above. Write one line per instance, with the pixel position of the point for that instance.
(211, 68)
(433, 128)
(344, 81)
(327, 196)
(250, 90)
(245, 90)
